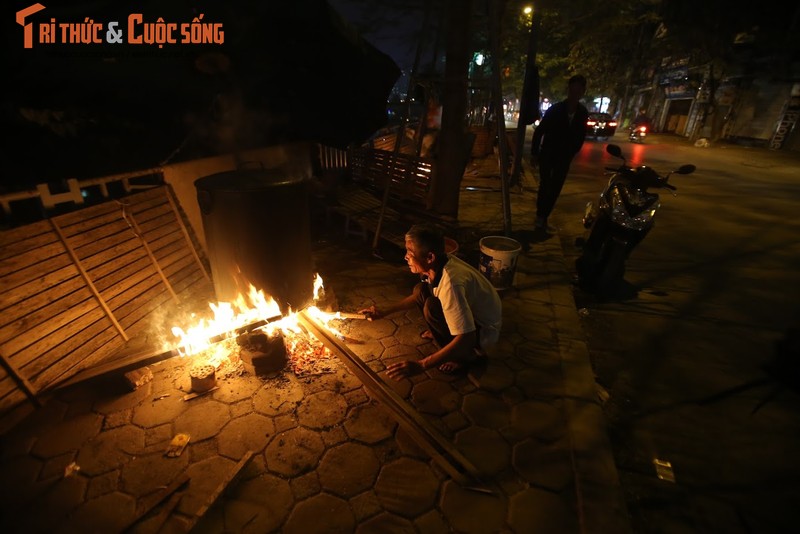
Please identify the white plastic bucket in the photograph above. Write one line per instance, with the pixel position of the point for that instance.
(498, 260)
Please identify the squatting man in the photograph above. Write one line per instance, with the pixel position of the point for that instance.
(462, 309)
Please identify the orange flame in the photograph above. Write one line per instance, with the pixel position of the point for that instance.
(244, 311)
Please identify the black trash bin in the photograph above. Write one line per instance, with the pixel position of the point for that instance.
(257, 228)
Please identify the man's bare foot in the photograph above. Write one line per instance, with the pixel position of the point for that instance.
(426, 335)
(451, 368)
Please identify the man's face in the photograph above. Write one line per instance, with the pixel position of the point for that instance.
(418, 263)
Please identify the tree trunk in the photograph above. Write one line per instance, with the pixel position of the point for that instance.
(452, 143)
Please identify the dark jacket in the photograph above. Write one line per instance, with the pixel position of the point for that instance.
(556, 136)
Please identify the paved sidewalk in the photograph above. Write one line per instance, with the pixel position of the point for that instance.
(328, 457)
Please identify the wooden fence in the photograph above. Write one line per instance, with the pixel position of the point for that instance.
(77, 287)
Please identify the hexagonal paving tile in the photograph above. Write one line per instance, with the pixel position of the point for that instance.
(545, 466)
(368, 350)
(544, 421)
(271, 495)
(203, 420)
(279, 396)
(407, 487)
(486, 410)
(250, 432)
(369, 423)
(321, 513)
(145, 474)
(348, 469)
(153, 413)
(67, 436)
(386, 522)
(471, 511)
(536, 510)
(372, 330)
(435, 397)
(109, 513)
(204, 478)
(111, 449)
(294, 451)
(494, 376)
(236, 389)
(322, 410)
(486, 448)
(541, 382)
(124, 400)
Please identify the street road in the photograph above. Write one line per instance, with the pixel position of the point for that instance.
(680, 351)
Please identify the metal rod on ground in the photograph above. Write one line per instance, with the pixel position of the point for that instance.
(426, 436)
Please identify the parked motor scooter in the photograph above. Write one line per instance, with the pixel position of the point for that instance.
(619, 221)
(638, 134)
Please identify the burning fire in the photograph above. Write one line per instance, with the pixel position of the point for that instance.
(231, 317)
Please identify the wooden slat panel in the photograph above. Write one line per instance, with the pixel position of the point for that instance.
(33, 242)
(22, 348)
(45, 296)
(120, 276)
(35, 271)
(154, 212)
(130, 246)
(113, 227)
(71, 356)
(39, 256)
(58, 343)
(87, 217)
(13, 397)
(32, 287)
(166, 239)
(108, 268)
(11, 237)
(195, 283)
(126, 285)
(176, 262)
(164, 219)
(126, 311)
(143, 318)
(26, 317)
(107, 245)
(112, 215)
(171, 252)
(148, 194)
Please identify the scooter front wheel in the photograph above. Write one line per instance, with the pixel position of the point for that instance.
(613, 268)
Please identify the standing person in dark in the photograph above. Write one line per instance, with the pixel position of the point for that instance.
(556, 140)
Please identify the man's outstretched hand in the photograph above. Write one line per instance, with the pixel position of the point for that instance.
(371, 313)
(400, 370)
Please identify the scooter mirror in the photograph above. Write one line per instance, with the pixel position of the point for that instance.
(614, 150)
(686, 169)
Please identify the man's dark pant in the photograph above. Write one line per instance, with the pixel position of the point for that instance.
(552, 174)
(431, 308)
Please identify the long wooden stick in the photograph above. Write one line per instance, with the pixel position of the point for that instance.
(185, 231)
(166, 492)
(76, 260)
(426, 436)
(138, 231)
(230, 479)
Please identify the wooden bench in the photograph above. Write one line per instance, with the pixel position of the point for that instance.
(360, 200)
